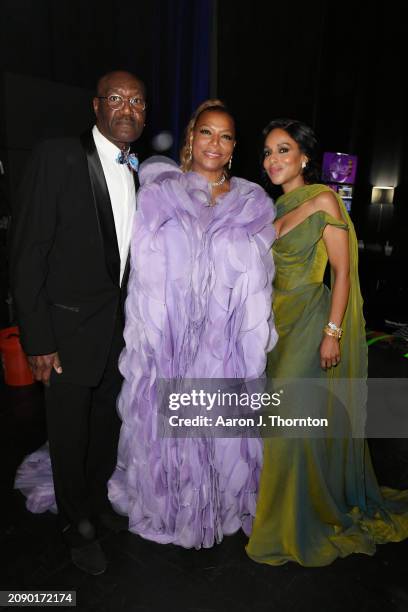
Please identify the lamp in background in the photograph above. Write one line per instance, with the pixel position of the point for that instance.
(382, 196)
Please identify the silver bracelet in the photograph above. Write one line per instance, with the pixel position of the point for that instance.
(333, 326)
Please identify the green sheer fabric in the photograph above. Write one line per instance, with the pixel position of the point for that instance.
(319, 498)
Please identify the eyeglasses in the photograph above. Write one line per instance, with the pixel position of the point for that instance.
(116, 102)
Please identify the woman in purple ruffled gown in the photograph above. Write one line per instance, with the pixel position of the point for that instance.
(198, 306)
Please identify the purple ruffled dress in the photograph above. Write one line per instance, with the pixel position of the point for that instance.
(198, 306)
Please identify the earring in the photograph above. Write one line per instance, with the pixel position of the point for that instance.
(303, 165)
(230, 163)
(190, 152)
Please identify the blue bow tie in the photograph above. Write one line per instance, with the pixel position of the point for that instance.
(124, 157)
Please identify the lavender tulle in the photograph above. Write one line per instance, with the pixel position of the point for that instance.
(34, 479)
(199, 306)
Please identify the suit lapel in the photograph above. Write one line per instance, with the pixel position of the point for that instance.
(103, 207)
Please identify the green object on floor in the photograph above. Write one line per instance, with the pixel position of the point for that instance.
(377, 338)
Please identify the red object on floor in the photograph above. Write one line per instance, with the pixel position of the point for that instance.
(17, 372)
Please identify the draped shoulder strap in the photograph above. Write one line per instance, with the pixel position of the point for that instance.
(291, 200)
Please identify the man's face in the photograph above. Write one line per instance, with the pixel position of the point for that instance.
(124, 125)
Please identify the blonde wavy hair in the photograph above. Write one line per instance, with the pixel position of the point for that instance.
(185, 151)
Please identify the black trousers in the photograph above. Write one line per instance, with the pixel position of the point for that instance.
(83, 433)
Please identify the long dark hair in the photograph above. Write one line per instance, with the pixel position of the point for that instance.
(305, 138)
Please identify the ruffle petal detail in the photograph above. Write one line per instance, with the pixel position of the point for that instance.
(199, 306)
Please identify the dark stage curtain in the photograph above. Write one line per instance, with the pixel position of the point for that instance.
(181, 65)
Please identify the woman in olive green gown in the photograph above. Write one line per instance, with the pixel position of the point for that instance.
(318, 497)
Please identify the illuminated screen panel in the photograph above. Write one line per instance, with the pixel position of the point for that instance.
(339, 168)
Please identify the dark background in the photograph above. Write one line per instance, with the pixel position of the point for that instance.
(340, 69)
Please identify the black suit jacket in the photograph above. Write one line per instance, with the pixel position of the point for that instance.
(65, 262)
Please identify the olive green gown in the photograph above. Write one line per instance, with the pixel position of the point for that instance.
(319, 498)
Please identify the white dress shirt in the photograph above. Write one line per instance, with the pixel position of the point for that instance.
(122, 193)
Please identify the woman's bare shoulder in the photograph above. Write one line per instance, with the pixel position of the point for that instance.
(327, 201)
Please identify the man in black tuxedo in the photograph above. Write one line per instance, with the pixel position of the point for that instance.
(69, 267)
